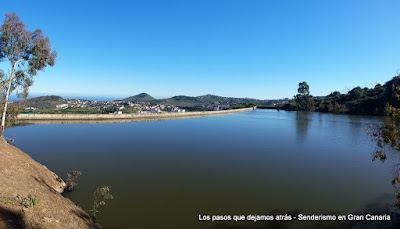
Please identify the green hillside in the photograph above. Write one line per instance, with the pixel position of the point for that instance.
(370, 101)
(204, 102)
(42, 102)
(200, 102)
(208, 100)
(142, 97)
(360, 101)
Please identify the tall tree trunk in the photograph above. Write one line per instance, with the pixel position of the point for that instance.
(3, 118)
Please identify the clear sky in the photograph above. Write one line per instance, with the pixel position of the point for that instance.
(258, 49)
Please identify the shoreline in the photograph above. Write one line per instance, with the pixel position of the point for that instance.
(119, 118)
(20, 175)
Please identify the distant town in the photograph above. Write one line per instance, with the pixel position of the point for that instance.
(141, 103)
(115, 107)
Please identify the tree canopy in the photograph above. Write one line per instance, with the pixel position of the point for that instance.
(27, 52)
(303, 99)
(360, 101)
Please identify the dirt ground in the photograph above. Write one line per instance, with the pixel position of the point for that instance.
(30, 195)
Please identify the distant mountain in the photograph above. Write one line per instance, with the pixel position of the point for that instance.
(42, 102)
(142, 97)
(204, 102)
(200, 102)
(210, 100)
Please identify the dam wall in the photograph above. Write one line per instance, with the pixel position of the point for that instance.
(127, 117)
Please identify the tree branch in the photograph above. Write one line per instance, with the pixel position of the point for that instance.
(15, 76)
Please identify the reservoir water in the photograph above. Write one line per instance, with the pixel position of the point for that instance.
(164, 174)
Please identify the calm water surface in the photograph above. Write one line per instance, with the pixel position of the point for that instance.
(163, 174)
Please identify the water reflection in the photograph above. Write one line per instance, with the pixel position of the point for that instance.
(302, 122)
(378, 206)
(101, 121)
(164, 173)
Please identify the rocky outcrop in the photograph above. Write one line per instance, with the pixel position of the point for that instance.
(30, 195)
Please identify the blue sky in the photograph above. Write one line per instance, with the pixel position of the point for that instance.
(257, 49)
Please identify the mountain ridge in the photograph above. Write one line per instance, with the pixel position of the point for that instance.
(42, 102)
(142, 97)
(190, 102)
(200, 101)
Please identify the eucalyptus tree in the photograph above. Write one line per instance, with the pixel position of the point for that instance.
(27, 53)
(303, 98)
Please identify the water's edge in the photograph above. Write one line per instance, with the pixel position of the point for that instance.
(115, 118)
(20, 175)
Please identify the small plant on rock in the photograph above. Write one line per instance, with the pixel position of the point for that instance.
(26, 202)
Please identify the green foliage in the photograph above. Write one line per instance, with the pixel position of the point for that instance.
(30, 49)
(334, 95)
(128, 110)
(363, 101)
(111, 109)
(11, 116)
(42, 102)
(244, 105)
(26, 202)
(142, 97)
(303, 89)
(101, 194)
(70, 110)
(27, 53)
(388, 134)
(303, 99)
(200, 102)
(311, 104)
(47, 104)
(330, 107)
(368, 101)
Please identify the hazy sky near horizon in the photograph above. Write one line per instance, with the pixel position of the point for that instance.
(258, 49)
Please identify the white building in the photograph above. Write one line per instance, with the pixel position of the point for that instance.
(62, 106)
(176, 109)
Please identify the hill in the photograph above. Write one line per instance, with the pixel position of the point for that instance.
(360, 101)
(207, 100)
(142, 97)
(369, 101)
(42, 102)
(203, 102)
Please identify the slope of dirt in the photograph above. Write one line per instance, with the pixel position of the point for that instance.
(21, 177)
